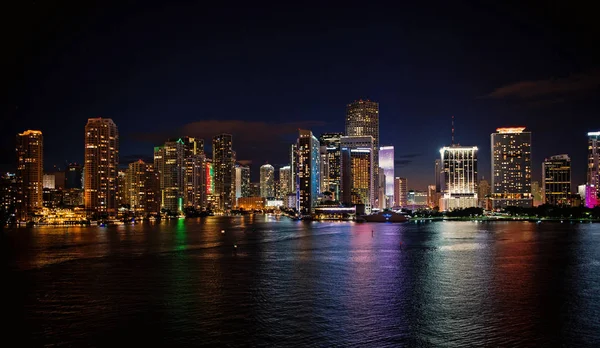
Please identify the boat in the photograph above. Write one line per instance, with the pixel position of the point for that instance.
(385, 216)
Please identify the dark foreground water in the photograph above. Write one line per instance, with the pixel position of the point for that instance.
(303, 284)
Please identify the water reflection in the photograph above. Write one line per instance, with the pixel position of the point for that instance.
(307, 283)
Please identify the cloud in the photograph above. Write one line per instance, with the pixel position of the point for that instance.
(402, 163)
(570, 85)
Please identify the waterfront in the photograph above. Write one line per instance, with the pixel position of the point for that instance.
(295, 283)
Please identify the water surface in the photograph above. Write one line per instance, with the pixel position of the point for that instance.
(292, 283)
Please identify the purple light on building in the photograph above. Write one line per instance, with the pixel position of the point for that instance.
(591, 200)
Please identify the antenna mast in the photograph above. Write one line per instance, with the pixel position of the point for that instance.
(452, 130)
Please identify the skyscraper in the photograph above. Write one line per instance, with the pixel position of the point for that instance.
(556, 180)
(267, 181)
(511, 167)
(459, 177)
(284, 181)
(400, 191)
(242, 181)
(169, 162)
(194, 194)
(73, 176)
(484, 191)
(142, 187)
(101, 165)
(386, 163)
(224, 171)
(593, 170)
(308, 171)
(332, 178)
(362, 118)
(357, 171)
(30, 172)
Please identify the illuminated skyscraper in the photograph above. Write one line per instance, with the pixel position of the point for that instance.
(267, 181)
(242, 181)
(357, 171)
(194, 194)
(169, 162)
(511, 167)
(362, 118)
(142, 187)
(284, 181)
(386, 163)
(556, 179)
(332, 178)
(224, 172)
(484, 190)
(459, 177)
(101, 166)
(308, 171)
(30, 172)
(400, 191)
(294, 169)
(593, 170)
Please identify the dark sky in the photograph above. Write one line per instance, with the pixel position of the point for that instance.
(260, 71)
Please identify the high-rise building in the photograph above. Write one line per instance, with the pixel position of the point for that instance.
(431, 196)
(169, 162)
(308, 171)
(459, 177)
(386, 163)
(324, 162)
(30, 171)
(294, 169)
(8, 193)
(48, 181)
(194, 194)
(556, 179)
(242, 181)
(357, 171)
(362, 118)
(122, 193)
(332, 179)
(537, 194)
(593, 169)
(224, 171)
(74, 176)
(400, 191)
(284, 181)
(267, 181)
(101, 165)
(484, 190)
(511, 167)
(143, 185)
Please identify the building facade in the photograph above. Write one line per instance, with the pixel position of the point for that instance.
(223, 164)
(511, 167)
(357, 171)
(169, 162)
(284, 181)
(30, 173)
(593, 169)
(142, 185)
(556, 180)
(308, 173)
(74, 176)
(386, 164)
(362, 119)
(332, 179)
(267, 181)
(101, 166)
(459, 177)
(400, 192)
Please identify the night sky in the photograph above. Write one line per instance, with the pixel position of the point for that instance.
(261, 71)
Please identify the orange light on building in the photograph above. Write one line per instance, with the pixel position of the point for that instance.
(510, 130)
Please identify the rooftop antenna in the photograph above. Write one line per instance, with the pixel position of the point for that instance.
(452, 130)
